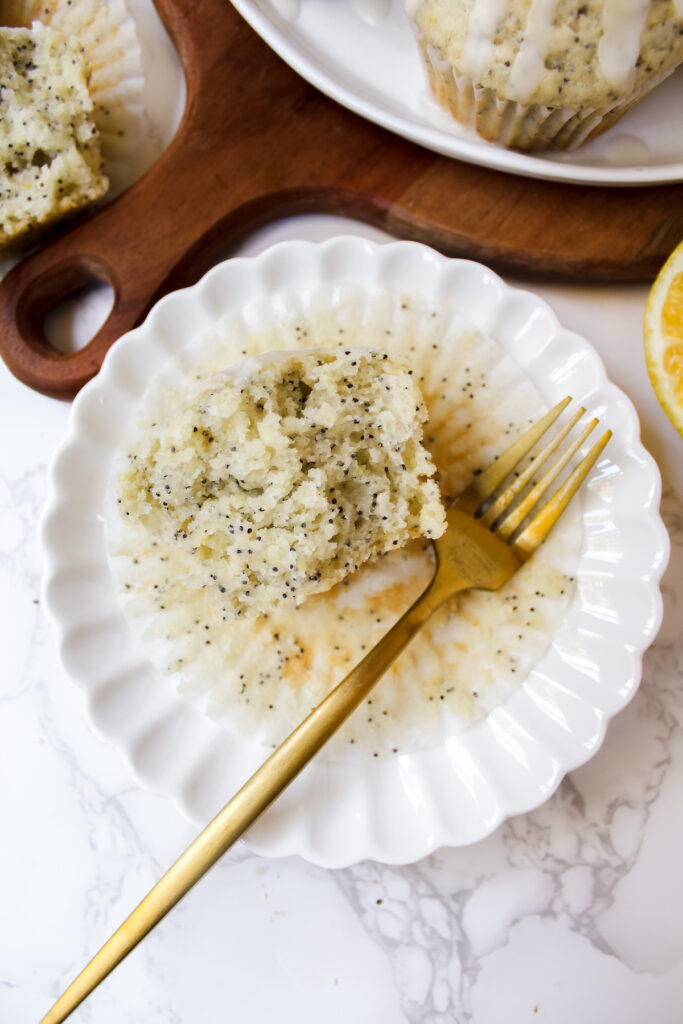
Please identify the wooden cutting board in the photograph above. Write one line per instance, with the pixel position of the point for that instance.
(256, 143)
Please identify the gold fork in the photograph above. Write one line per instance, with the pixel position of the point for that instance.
(489, 536)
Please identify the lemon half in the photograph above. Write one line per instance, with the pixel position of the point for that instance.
(663, 330)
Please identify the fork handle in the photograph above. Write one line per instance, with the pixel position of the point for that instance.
(264, 786)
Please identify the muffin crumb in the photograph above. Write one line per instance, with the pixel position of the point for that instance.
(276, 486)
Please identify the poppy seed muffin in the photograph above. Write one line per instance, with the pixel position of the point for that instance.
(49, 147)
(538, 74)
(281, 478)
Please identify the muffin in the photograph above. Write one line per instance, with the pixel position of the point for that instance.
(534, 74)
(279, 479)
(49, 146)
(108, 35)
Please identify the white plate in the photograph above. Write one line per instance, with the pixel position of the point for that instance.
(362, 53)
(395, 809)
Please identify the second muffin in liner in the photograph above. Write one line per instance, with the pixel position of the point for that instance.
(536, 76)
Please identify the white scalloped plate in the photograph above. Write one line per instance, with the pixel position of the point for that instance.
(362, 54)
(397, 809)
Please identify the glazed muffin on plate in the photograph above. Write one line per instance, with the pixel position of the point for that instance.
(541, 74)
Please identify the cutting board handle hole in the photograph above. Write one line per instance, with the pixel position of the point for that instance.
(76, 320)
(63, 310)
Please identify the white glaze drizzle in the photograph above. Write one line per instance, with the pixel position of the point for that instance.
(619, 47)
(529, 64)
(477, 52)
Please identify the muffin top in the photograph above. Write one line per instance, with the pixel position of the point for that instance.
(559, 53)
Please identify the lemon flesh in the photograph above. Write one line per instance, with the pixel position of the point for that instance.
(663, 332)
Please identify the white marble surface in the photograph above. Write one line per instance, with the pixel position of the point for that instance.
(571, 913)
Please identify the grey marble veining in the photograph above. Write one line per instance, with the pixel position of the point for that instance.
(571, 912)
(568, 862)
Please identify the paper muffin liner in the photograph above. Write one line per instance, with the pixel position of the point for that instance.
(107, 32)
(533, 127)
(259, 677)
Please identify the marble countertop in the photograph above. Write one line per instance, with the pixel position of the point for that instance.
(573, 912)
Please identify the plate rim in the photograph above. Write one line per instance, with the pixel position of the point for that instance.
(299, 841)
(477, 152)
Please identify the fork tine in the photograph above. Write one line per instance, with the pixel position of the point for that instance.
(517, 516)
(518, 484)
(485, 484)
(538, 529)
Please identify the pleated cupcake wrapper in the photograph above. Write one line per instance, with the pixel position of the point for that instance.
(331, 631)
(107, 33)
(532, 127)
